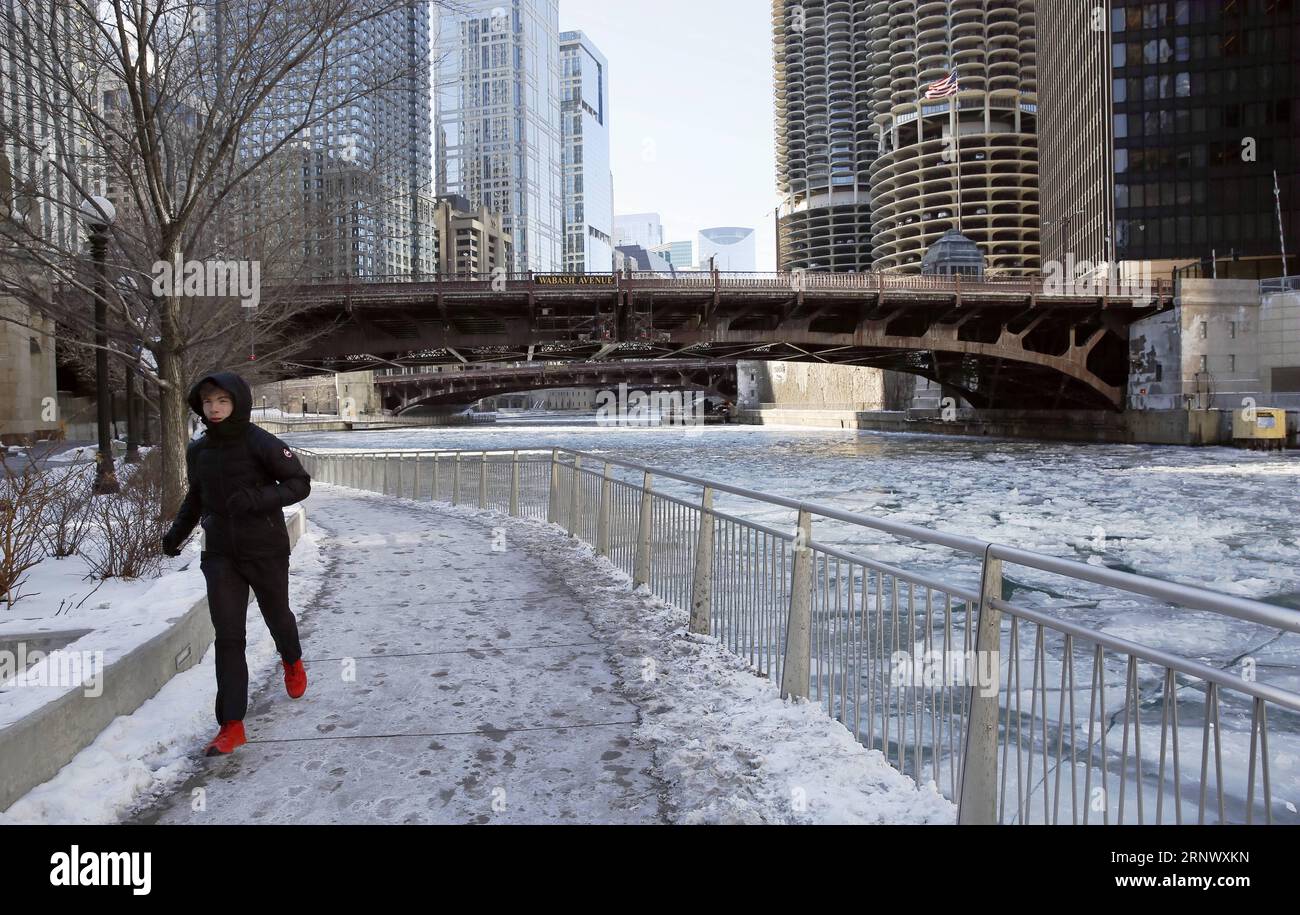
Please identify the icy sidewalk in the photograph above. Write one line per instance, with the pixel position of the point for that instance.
(521, 684)
(448, 683)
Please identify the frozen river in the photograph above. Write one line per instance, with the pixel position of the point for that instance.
(1220, 518)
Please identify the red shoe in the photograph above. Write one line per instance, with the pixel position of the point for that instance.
(295, 679)
(230, 736)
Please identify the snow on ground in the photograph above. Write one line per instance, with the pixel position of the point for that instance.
(149, 752)
(730, 749)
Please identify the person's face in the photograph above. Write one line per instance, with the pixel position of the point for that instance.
(217, 405)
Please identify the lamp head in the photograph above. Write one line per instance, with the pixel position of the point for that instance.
(98, 212)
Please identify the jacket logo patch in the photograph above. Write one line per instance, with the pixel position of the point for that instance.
(288, 453)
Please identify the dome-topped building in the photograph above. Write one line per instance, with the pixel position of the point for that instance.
(952, 255)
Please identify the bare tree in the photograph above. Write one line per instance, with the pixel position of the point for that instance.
(199, 120)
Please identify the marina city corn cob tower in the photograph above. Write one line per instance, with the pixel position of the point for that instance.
(869, 168)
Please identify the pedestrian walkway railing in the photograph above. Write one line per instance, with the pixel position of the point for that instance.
(1016, 713)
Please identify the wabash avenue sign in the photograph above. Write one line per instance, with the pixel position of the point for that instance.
(575, 279)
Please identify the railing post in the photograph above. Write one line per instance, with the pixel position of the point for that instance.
(401, 476)
(977, 800)
(416, 495)
(553, 503)
(383, 485)
(797, 664)
(437, 483)
(702, 584)
(482, 481)
(641, 569)
(575, 495)
(455, 481)
(514, 485)
(602, 513)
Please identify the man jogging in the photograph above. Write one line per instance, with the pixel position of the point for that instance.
(240, 476)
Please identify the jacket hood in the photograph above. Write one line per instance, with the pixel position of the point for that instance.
(238, 420)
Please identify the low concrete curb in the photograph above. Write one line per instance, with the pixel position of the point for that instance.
(34, 748)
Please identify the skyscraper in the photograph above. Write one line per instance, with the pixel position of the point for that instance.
(588, 182)
(967, 159)
(868, 166)
(43, 132)
(1206, 106)
(1074, 135)
(825, 140)
(498, 119)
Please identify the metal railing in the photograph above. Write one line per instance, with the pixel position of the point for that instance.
(1016, 714)
(416, 287)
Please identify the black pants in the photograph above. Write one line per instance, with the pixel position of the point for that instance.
(228, 583)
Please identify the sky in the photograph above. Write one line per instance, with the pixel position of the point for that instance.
(692, 106)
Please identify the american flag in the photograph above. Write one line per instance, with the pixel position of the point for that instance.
(943, 88)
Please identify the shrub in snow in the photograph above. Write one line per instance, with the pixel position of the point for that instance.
(127, 528)
(67, 514)
(24, 496)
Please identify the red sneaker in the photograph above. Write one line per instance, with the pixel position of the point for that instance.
(230, 736)
(295, 678)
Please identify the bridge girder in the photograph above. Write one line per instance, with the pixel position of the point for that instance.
(1001, 347)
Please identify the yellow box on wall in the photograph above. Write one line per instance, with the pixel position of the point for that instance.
(1260, 428)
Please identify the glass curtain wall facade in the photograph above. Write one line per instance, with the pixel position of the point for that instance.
(366, 167)
(588, 181)
(498, 120)
(1205, 109)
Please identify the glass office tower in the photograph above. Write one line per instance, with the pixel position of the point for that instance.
(588, 182)
(1205, 109)
(498, 129)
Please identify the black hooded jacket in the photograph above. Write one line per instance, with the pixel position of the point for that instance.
(235, 455)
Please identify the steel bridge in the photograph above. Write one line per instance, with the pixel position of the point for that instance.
(461, 388)
(1023, 343)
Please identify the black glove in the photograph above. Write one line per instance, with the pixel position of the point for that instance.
(171, 544)
(243, 502)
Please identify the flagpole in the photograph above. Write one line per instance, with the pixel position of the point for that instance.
(956, 119)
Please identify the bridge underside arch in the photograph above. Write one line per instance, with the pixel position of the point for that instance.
(1002, 348)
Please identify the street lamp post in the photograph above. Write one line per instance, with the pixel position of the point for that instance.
(99, 213)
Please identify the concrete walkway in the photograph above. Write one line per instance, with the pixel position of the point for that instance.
(448, 683)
